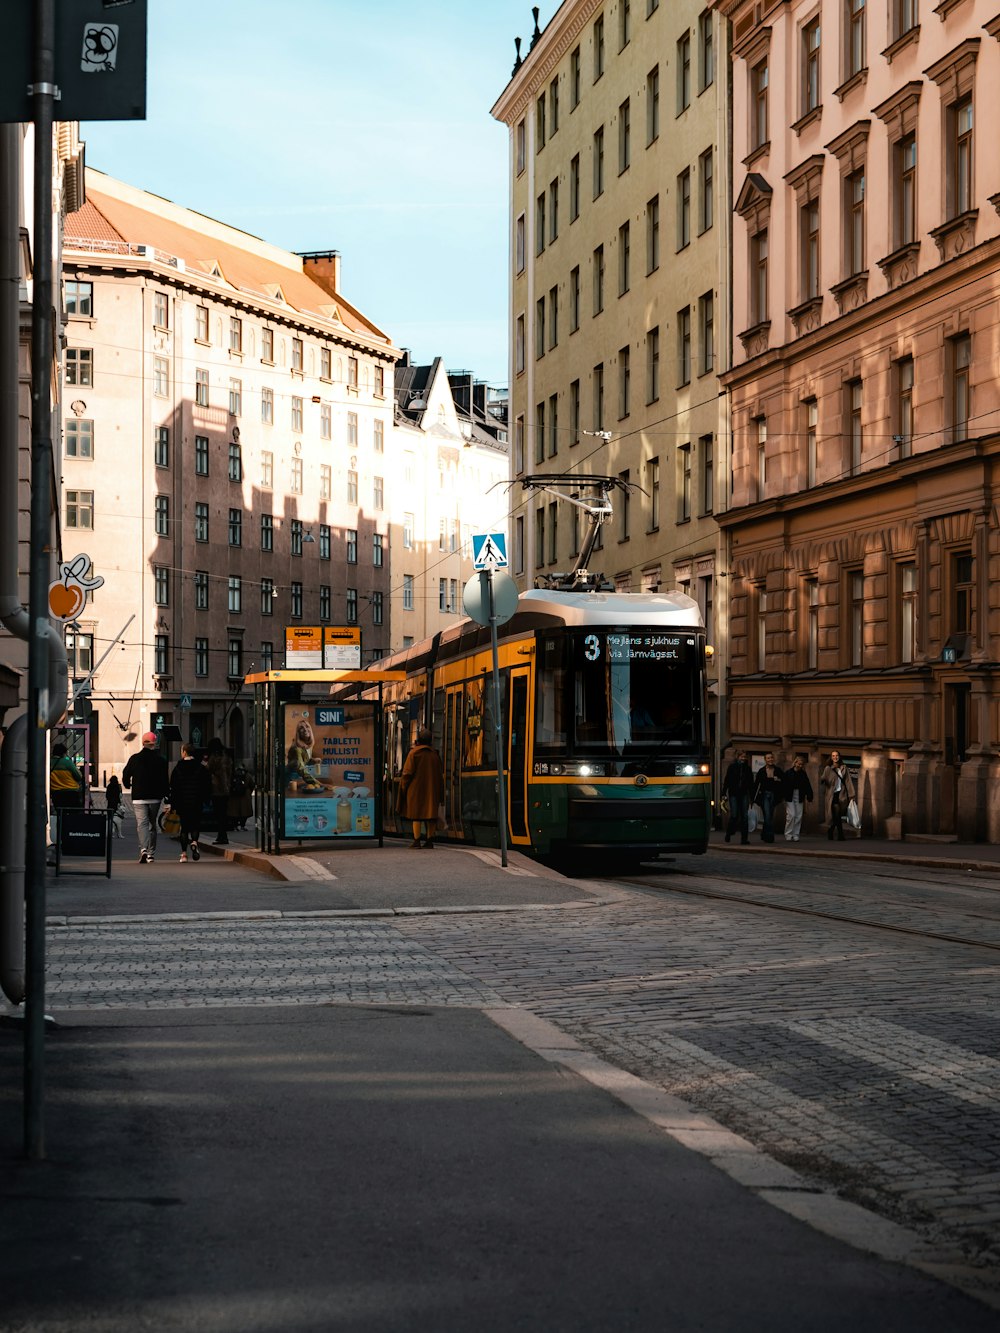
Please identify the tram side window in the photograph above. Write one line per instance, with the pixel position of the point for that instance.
(475, 719)
(551, 698)
(489, 721)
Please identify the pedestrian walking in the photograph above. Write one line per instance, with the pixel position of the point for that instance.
(840, 785)
(797, 789)
(190, 788)
(113, 804)
(240, 793)
(768, 792)
(421, 789)
(220, 769)
(65, 783)
(736, 788)
(148, 778)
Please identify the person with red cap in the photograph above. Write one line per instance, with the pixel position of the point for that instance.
(147, 776)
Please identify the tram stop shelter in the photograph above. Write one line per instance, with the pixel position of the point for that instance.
(319, 756)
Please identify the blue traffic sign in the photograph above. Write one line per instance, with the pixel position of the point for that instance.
(489, 550)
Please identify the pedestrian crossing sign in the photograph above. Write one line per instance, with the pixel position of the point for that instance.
(489, 550)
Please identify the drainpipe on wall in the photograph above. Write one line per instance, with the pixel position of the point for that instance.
(14, 754)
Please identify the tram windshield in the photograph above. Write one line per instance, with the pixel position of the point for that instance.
(621, 692)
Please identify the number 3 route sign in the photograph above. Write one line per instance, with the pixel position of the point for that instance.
(489, 550)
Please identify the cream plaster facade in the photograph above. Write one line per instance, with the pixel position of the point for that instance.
(618, 308)
(865, 411)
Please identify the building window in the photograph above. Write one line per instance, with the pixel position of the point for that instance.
(201, 657)
(235, 334)
(760, 430)
(574, 188)
(761, 626)
(519, 244)
(574, 78)
(539, 537)
(325, 363)
(324, 601)
(540, 223)
(295, 537)
(653, 364)
(905, 190)
(684, 346)
(960, 161)
(161, 310)
(161, 585)
(235, 462)
(267, 346)
(201, 455)
(161, 377)
(598, 47)
(855, 428)
(553, 210)
(706, 52)
(574, 299)
(707, 451)
(326, 422)
(266, 655)
(161, 655)
(540, 433)
(519, 345)
(79, 298)
(758, 277)
(295, 601)
(352, 546)
(161, 446)
(200, 521)
(624, 24)
(684, 73)
(706, 331)
(553, 434)
(598, 279)
(325, 481)
(960, 355)
(267, 532)
(297, 350)
(236, 527)
(296, 486)
(379, 389)
(599, 397)
(811, 414)
(810, 66)
(378, 549)
(201, 590)
(624, 136)
(962, 572)
(201, 388)
(378, 443)
(521, 146)
(809, 249)
(79, 365)
(540, 123)
(652, 105)
(553, 317)
(759, 131)
(684, 483)
(812, 623)
(161, 515)
(598, 162)
(856, 611)
(201, 324)
(352, 430)
(653, 479)
(574, 412)
(352, 606)
(624, 382)
(706, 195)
(324, 541)
(903, 375)
(854, 221)
(684, 208)
(235, 398)
(907, 16)
(79, 438)
(267, 406)
(267, 597)
(407, 592)
(907, 600)
(624, 258)
(854, 44)
(653, 234)
(235, 593)
(409, 532)
(378, 492)
(296, 414)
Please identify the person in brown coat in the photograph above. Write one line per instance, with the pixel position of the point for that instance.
(421, 789)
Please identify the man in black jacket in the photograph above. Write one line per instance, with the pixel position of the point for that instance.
(736, 789)
(190, 788)
(148, 778)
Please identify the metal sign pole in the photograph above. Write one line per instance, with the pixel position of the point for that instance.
(497, 718)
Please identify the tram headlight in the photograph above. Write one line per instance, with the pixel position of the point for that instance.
(569, 770)
(692, 770)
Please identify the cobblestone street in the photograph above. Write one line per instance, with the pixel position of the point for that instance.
(867, 1056)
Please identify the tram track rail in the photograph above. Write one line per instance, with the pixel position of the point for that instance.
(664, 885)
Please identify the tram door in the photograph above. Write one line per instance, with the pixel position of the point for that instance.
(517, 757)
(451, 754)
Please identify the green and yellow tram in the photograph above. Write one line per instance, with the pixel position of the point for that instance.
(604, 737)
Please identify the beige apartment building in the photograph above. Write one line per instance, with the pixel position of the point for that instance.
(618, 233)
(223, 462)
(865, 612)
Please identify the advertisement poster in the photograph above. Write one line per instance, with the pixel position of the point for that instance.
(328, 775)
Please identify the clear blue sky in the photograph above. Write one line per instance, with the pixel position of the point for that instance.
(354, 125)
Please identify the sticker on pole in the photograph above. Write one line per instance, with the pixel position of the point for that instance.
(489, 550)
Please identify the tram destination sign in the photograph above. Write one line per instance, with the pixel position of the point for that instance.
(634, 645)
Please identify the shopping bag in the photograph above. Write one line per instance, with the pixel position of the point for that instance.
(752, 819)
(853, 815)
(169, 823)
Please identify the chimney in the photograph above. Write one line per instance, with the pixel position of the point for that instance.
(323, 266)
